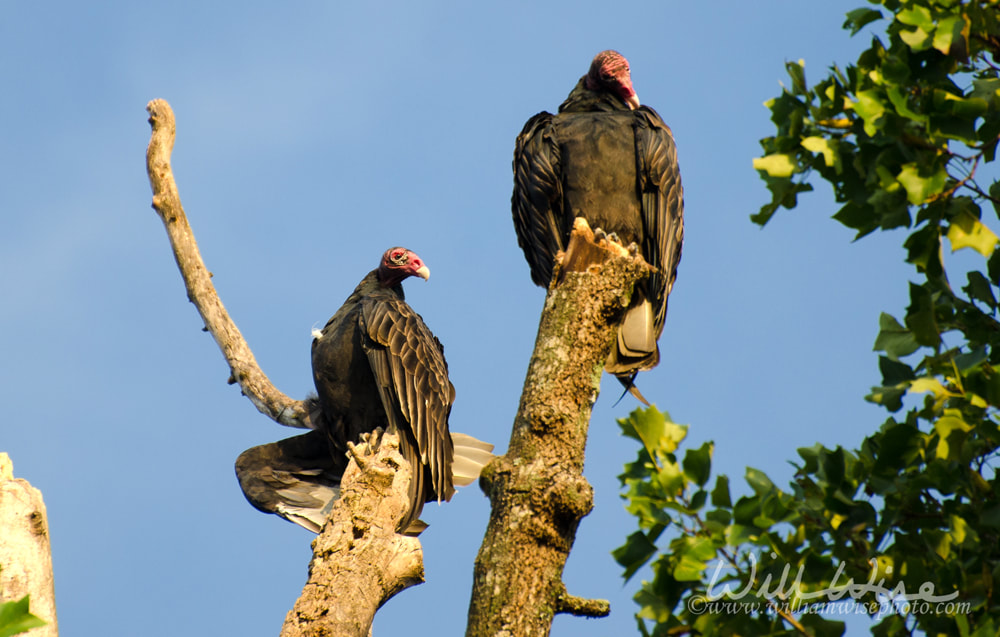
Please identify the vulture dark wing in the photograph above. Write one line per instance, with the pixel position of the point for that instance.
(297, 478)
(537, 202)
(410, 370)
(662, 205)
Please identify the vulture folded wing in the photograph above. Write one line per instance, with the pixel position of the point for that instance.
(537, 202)
(662, 206)
(412, 376)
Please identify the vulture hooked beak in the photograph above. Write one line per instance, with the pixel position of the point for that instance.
(423, 272)
(633, 101)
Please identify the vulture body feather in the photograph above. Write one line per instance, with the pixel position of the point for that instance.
(609, 160)
(375, 365)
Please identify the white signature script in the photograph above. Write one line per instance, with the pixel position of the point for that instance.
(784, 590)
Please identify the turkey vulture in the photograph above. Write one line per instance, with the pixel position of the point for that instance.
(609, 160)
(375, 365)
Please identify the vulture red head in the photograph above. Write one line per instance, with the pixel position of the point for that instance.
(610, 72)
(400, 263)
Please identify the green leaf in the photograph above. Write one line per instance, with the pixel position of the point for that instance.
(654, 429)
(634, 554)
(720, 494)
(694, 559)
(15, 618)
(898, 444)
(777, 165)
(966, 231)
(970, 360)
(894, 372)
(899, 100)
(858, 217)
(698, 463)
(759, 481)
(857, 19)
(797, 72)
(979, 289)
(738, 534)
(828, 147)
(871, 108)
(948, 31)
(890, 397)
(929, 384)
(916, 15)
(784, 193)
(965, 107)
(920, 316)
(951, 429)
(894, 339)
(920, 185)
(917, 39)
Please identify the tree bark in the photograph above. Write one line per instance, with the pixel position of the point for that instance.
(25, 551)
(537, 490)
(359, 561)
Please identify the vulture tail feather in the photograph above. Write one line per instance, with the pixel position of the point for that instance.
(471, 455)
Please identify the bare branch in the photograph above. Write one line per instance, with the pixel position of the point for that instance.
(537, 490)
(198, 280)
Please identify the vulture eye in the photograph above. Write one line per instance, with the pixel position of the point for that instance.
(398, 256)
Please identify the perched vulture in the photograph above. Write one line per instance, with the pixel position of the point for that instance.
(609, 160)
(375, 365)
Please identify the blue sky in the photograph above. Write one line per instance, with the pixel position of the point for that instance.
(311, 137)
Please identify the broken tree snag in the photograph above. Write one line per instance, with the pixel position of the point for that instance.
(537, 490)
(198, 280)
(25, 551)
(359, 561)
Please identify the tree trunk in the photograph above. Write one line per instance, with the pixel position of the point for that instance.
(537, 490)
(25, 553)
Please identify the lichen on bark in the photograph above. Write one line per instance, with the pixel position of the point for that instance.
(537, 490)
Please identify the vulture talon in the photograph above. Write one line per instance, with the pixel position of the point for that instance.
(633, 250)
(374, 440)
(358, 455)
(599, 235)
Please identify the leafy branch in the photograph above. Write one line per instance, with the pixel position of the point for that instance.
(901, 135)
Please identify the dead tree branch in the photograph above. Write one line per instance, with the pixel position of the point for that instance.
(198, 280)
(359, 561)
(537, 490)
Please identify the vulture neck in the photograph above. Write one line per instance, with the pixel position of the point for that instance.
(583, 99)
(372, 283)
